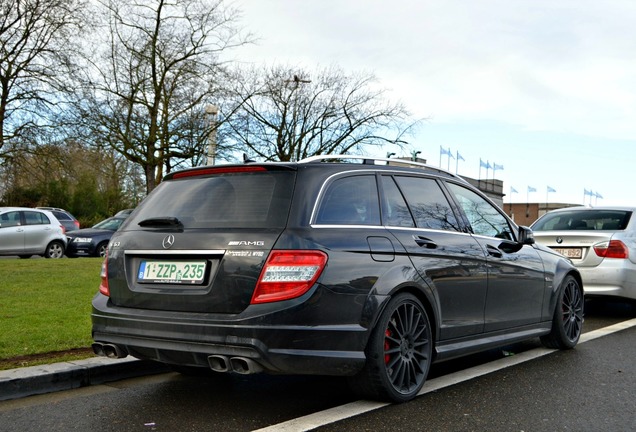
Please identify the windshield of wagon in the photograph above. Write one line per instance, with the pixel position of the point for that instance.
(576, 220)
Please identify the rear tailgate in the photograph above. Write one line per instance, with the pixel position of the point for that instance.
(198, 242)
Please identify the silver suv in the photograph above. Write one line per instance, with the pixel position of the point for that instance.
(26, 232)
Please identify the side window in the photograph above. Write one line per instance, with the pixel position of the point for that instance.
(428, 204)
(35, 218)
(484, 218)
(350, 201)
(10, 219)
(395, 212)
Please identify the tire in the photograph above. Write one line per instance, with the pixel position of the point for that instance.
(100, 250)
(567, 322)
(54, 249)
(398, 353)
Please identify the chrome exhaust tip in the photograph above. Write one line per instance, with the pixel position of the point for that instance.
(219, 363)
(113, 351)
(244, 366)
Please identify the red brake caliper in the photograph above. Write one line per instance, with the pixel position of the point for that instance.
(387, 357)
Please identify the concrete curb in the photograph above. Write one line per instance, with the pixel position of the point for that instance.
(29, 381)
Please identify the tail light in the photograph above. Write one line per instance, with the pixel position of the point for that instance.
(103, 286)
(77, 224)
(63, 229)
(612, 249)
(288, 274)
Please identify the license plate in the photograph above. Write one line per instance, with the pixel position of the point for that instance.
(177, 272)
(576, 253)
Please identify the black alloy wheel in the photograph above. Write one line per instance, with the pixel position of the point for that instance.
(567, 322)
(398, 353)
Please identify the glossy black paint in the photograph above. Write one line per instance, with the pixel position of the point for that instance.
(478, 292)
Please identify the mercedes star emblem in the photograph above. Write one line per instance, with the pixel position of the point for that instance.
(168, 241)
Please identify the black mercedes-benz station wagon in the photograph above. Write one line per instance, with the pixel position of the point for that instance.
(335, 265)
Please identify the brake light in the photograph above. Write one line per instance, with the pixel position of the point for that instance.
(215, 170)
(288, 274)
(103, 286)
(612, 249)
(63, 229)
(77, 224)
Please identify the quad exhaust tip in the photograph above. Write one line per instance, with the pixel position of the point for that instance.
(240, 365)
(109, 350)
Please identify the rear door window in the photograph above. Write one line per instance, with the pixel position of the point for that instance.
(428, 204)
(35, 218)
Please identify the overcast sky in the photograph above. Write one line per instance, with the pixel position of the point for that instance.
(545, 89)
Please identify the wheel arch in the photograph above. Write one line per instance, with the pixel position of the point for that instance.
(562, 271)
(423, 294)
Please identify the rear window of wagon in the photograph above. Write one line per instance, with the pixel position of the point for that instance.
(258, 199)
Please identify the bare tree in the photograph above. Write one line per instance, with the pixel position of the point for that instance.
(146, 92)
(289, 114)
(35, 45)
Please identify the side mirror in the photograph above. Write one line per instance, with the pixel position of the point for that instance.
(526, 237)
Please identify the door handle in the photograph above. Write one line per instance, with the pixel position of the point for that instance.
(425, 242)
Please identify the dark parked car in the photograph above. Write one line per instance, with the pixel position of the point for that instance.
(93, 242)
(327, 266)
(68, 220)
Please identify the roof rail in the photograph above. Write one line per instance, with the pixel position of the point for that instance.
(371, 160)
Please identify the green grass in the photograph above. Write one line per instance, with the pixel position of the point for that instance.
(45, 306)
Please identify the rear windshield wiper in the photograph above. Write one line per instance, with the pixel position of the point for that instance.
(161, 222)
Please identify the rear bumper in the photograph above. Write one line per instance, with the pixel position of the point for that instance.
(187, 339)
(615, 278)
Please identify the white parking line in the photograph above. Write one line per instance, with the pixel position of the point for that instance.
(322, 418)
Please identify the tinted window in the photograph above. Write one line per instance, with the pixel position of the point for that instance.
(61, 216)
(613, 220)
(350, 201)
(395, 212)
(36, 218)
(484, 218)
(428, 204)
(235, 200)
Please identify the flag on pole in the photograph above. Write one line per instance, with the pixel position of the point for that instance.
(513, 190)
(598, 195)
(484, 165)
(549, 189)
(443, 151)
(531, 189)
(460, 157)
(497, 167)
(587, 192)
